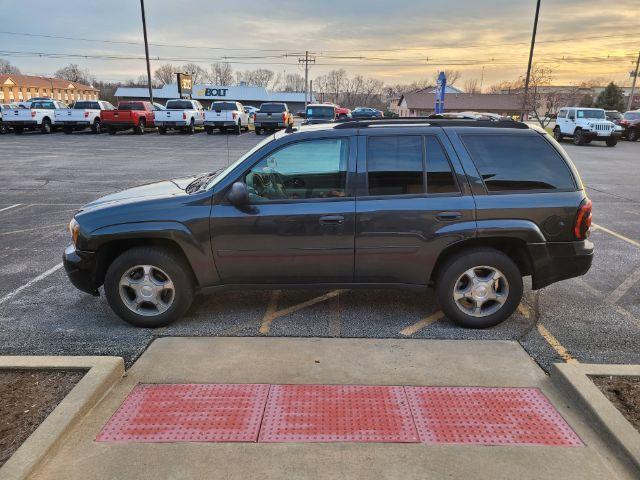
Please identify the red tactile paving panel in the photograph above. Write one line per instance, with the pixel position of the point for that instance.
(337, 413)
(188, 413)
(488, 416)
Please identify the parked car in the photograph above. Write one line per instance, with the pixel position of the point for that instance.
(27, 103)
(226, 115)
(136, 115)
(631, 125)
(180, 114)
(40, 116)
(5, 107)
(585, 125)
(249, 110)
(468, 207)
(342, 113)
(84, 114)
(272, 116)
(366, 113)
(320, 113)
(613, 116)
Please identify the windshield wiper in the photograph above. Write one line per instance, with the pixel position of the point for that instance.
(201, 181)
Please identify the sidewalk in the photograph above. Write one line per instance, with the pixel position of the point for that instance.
(330, 361)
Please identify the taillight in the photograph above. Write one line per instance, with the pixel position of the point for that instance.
(284, 117)
(234, 115)
(86, 114)
(583, 220)
(184, 115)
(624, 122)
(33, 114)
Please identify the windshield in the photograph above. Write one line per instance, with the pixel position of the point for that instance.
(615, 115)
(320, 112)
(219, 106)
(130, 106)
(230, 168)
(272, 108)
(179, 105)
(590, 113)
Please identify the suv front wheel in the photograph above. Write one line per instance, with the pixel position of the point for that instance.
(149, 287)
(479, 288)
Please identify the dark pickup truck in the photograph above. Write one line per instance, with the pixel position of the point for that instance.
(128, 115)
(468, 207)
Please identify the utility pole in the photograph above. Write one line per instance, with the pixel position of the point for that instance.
(146, 50)
(633, 84)
(533, 44)
(306, 60)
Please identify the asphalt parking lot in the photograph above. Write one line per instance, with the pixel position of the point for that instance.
(46, 178)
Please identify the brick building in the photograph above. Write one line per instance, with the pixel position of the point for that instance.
(20, 88)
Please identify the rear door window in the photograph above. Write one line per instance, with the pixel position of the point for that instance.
(518, 163)
(440, 177)
(394, 165)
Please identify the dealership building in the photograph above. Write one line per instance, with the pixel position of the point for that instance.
(247, 95)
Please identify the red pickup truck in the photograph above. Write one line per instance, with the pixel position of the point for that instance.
(136, 115)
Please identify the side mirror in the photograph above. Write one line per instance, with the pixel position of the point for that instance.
(239, 194)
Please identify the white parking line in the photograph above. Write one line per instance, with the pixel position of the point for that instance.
(10, 295)
(10, 207)
(623, 288)
(616, 234)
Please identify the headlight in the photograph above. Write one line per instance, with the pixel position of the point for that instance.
(74, 230)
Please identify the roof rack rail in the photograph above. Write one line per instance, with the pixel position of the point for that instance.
(433, 121)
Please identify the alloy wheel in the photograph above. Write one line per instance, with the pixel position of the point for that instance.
(481, 291)
(146, 290)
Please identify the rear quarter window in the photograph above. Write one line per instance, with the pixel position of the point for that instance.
(510, 163)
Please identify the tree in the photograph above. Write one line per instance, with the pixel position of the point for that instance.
(471, 86)
(166, 74)
(221, 74)
(74, 73)
(542, 104)
(293, 82)
(260, 77)
(198, 74)
(611, 98)
(452, 76)
(7, 68)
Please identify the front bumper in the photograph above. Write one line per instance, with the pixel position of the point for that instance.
(593, 135)
(556, 261)
(80, 267)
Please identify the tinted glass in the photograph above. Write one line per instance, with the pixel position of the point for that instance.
(440, 178)
(131, 106)
(43, 105)
(590, 113)
(632, 115)
(518, 162)
(309, 169)
(272, 107)
(87, 105)
(179, 105)
(394, 165)
(320, 112)
(220, 106)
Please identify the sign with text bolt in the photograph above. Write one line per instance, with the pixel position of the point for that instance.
(185, 84)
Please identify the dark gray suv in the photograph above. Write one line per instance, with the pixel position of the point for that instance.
(466, 206)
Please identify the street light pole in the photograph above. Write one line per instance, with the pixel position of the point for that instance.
(633, 84)
(533, 44)
(146, 50)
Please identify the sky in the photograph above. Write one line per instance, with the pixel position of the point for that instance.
(396, 41)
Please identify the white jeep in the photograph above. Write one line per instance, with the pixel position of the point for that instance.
(585, 125)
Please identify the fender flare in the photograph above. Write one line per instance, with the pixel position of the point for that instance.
(525, 230)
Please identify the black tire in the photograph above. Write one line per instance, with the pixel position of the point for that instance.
(557, 134)
(191, 128)
(209, 130)
(238, 128)
(142, 124)
(167, 261)
(96, 127)
(455, 267)
(612, 142)
(162, 130)
(633, 135)
(46, 125)
(112, 130)
(3, 129)
(258, 131)
(68, 130)
(578, 138)
(18, 130)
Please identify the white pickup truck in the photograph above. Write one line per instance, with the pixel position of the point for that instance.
(180, 114)
(224, 115)
(39, 117)
(83, 114)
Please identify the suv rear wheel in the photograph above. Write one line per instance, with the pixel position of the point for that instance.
(479, 288)
(557, 134)
(149, 287)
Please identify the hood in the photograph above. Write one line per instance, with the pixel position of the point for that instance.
(164, 189)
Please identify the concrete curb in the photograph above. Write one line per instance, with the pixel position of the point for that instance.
(573, 380)
(102, 373)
